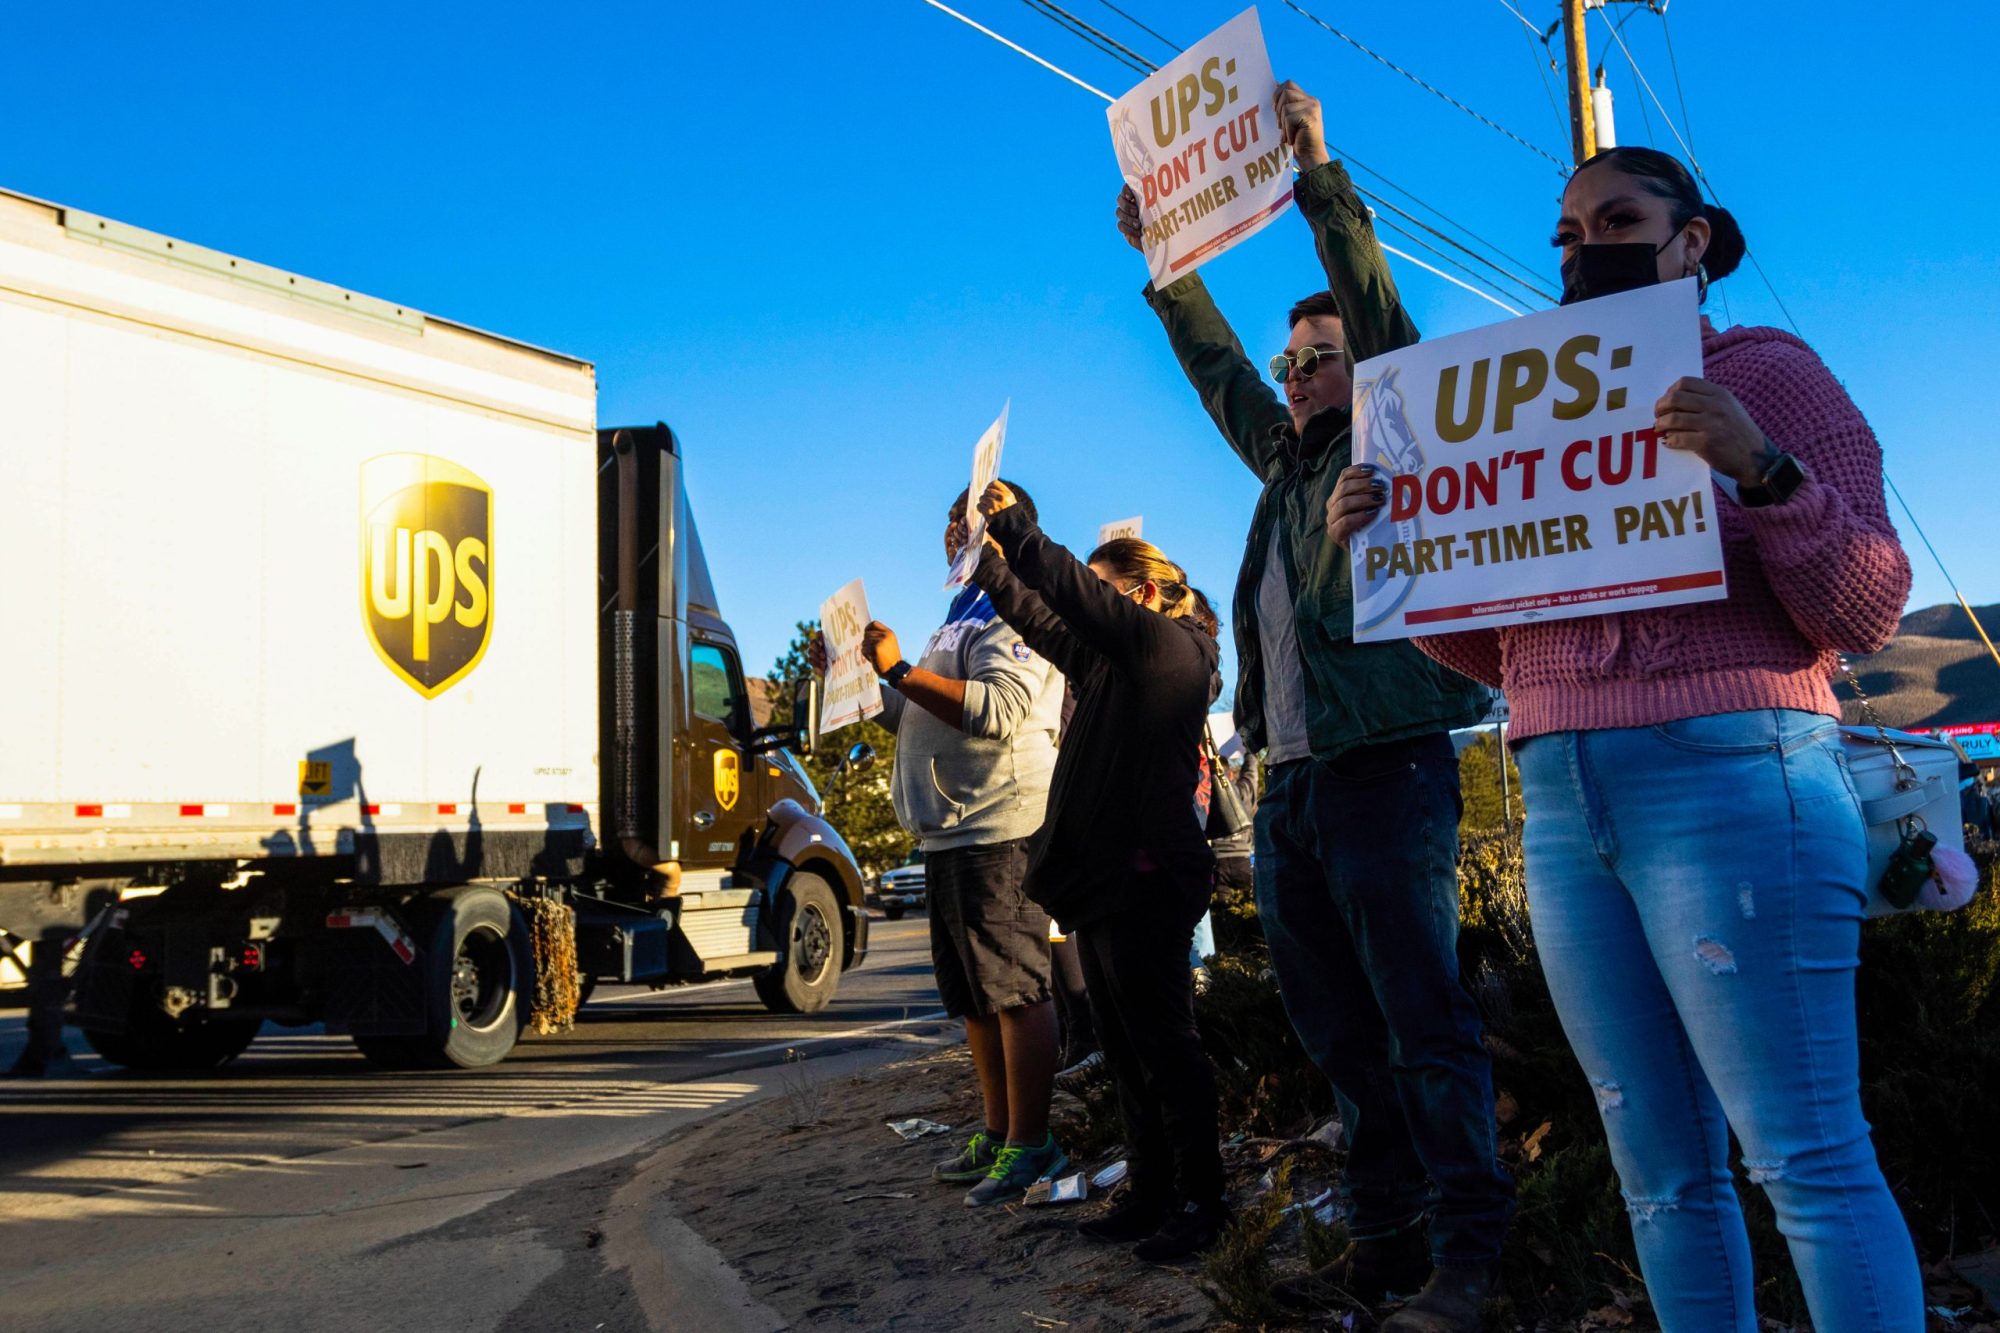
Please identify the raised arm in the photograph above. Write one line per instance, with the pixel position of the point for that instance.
(1095, 612)
(1244, 407)
(1371, 310)
(1029, 616)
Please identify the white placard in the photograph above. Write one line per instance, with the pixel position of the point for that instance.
(852, 690)
(1525, 479)
(1124, 527)
(1198, 143)
(985, 467)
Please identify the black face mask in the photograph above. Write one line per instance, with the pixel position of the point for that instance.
(1605, 268)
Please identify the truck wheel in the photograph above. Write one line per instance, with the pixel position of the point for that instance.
(157, 1043)
(478, 975)
(803, 981)
(893, 913)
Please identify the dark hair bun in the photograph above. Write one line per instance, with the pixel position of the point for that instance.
(1725, 242)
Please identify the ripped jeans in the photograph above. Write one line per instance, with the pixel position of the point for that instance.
(1696, 891)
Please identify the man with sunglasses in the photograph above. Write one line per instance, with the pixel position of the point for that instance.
(1357, 832)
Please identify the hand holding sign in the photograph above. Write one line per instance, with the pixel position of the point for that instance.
(1357, 498)
(1706, 420)
(880, 647)
(1299, 125)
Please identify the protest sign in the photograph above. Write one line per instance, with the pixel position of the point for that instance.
(1198, 143)
(1526, 481)
(985, 467)
(1124, 527)
(852, 691)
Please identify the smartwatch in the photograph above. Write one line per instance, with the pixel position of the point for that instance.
(894, 675)
(1777, 485)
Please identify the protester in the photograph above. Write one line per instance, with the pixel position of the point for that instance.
(1121, 859)
(1357, 833)
(1696, 854)
(973, 762)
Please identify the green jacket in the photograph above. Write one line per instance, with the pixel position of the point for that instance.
(1356, 694)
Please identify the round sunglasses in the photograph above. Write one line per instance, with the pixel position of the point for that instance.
(1304, 363)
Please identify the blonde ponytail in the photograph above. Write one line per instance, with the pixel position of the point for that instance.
(1134, 560)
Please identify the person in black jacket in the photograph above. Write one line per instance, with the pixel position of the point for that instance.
(1121, 859)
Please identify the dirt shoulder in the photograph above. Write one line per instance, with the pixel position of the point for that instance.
(777, 1200)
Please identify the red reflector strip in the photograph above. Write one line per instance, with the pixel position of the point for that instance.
(576, 809)
(448, 809)
(190, 812)
(90, 812)
(373, 809)
(517, 809)
(284, 809)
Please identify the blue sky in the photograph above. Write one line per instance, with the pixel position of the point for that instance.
(827, 241)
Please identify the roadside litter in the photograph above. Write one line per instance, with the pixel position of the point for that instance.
(909, 1131)
(1110, 1175)
(1069, 1189)
(893, 1194)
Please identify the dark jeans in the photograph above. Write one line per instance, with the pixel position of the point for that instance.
(1142, 996)
(1357, 888)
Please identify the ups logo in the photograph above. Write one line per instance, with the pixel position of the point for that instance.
(426, 568)
(728, 779)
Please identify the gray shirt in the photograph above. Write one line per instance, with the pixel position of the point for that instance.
(1284, 671)
(988, 781)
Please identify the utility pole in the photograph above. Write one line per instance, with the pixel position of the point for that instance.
(1576, 54)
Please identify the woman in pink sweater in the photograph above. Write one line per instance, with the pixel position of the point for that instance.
(1696, 853)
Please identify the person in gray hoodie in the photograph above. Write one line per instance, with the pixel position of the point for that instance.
(975, 720)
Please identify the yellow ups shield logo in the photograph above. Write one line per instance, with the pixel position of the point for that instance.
(426, 568)
(728, 779)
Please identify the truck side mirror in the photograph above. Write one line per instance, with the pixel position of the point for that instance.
(805, 713)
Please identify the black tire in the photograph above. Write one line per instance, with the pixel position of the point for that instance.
(156, 1043)
(586, 986)
(478, 978)
(894, 913)
(807, 973)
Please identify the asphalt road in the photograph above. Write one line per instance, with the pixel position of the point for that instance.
(646, 1058)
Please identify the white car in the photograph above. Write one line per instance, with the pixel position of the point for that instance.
(903, 888)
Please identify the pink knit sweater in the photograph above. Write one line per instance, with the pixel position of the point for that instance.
(1819, 575)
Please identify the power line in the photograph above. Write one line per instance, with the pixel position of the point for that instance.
(1530, 36)
(1695, 162)
(1435, 92)
(1415, 239)
(1970, 614)
(1016, 46)
(1058, 70)
(1142, 27)
(1069, 22)
(1448, 240)
(1510, 277)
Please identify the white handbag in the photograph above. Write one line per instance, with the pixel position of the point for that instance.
(1908, 785)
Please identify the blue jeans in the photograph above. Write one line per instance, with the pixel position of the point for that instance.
(1697, 892)
(1357, 891)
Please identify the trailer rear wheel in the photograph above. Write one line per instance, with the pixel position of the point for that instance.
(157, 1043)
(478, 977)
(803, 980)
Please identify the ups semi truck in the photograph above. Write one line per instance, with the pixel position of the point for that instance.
(352, 675)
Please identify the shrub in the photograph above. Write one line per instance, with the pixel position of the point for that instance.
(1929, 1005)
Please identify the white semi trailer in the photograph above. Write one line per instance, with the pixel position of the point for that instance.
(340, 643)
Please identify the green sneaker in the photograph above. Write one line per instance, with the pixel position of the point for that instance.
(1014, 1169)
(972, 1162)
